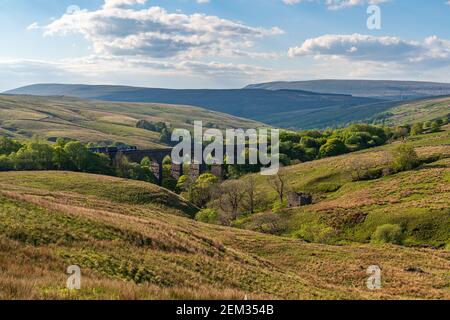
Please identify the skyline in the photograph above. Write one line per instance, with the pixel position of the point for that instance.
(217, 44)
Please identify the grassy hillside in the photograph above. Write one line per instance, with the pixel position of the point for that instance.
(130, 249)
(425, 110)
(418, 201)
(93, 121)
(281, 108)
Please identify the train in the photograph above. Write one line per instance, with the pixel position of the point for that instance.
(113, 149)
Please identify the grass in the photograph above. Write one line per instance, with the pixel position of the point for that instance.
(26, 117)
(347, 211)
(119, 191)
(425, 110)
(138, 251)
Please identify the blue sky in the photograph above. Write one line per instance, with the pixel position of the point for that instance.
(220, 43)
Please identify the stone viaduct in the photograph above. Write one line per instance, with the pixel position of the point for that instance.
(157, 157)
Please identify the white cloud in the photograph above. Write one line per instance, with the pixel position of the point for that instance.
(122, 3)
(154, 32)
(356, 47)
(33, 26)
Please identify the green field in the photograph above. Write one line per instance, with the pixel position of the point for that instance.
(27, 117)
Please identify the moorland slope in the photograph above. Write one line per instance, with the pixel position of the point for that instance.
(25, 117)
(131, 249)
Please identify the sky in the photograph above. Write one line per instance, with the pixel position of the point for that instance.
(221, 43)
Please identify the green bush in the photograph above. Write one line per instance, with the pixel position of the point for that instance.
(8, 146)
(405, 158)
(5, 163)
(316, 232)
(333, 147)
(370, 174)
(417, 128)
(388, 233)
(207, 216)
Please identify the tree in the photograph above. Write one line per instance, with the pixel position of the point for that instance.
(278, 183)
(309, 142)
(61, 159)
(405, 158)
(417, 128)
(435, 127)
(358, 168)
(34, 156)
(205, 187)
(250, 191)
(230, 198)
(78, 154)
(5, 163)
(166, 136)
(207, 216)
(146, 162)
(8, 146)
(186, 185)
(333, 147)
(61, 142)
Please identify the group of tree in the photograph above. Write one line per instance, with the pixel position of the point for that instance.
(314, 144)
(68, 155)
(427, 127)
(162, 128)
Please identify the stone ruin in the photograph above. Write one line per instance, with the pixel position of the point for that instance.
(299, 199)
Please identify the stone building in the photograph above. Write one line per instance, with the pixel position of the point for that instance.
(295, 199)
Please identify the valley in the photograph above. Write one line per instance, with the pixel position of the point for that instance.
(135, 240)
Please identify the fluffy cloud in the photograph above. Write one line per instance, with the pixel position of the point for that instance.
(116, 29)
(121, 3)
(357, 47)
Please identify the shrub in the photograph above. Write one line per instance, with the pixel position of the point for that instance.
(388, 233)
(405, 159)
(371, 174)
(435, 127)
(8, 146)
(333, 147)
(315, 232)
(207, 216)
(417, 128)
(5, 163)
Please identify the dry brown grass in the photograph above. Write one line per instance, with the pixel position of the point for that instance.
(184, 259)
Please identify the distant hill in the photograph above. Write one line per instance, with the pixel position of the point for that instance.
(281, 108)
(414, 111)
(392, 90)
(96, 121)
